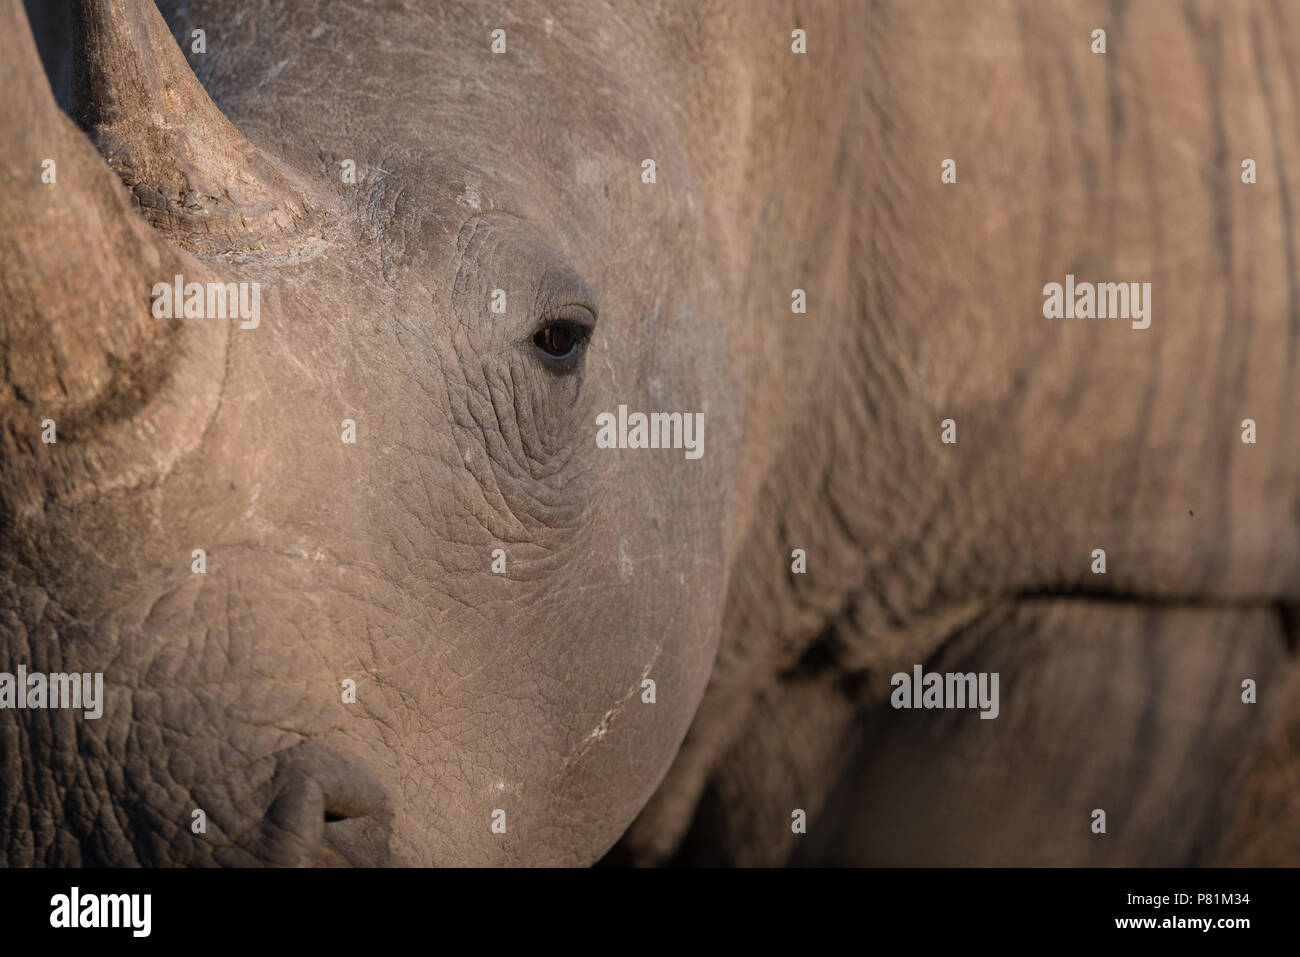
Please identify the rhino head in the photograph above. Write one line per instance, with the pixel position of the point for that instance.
(361, 582)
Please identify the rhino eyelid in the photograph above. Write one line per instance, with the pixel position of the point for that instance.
(571, 313)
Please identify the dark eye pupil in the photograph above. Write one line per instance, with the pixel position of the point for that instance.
(556, 341)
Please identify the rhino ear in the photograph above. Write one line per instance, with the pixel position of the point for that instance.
(194, 175)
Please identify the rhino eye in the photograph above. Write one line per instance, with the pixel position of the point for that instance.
(562, 338)
(559, 341)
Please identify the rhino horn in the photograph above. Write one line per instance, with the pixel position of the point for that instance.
(79, 348)
(195, 176)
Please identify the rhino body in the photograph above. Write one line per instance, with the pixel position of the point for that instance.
(437, 622)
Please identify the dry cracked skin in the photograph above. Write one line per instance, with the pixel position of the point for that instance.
(366, 585)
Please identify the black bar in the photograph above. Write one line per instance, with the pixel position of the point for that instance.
(344, 908)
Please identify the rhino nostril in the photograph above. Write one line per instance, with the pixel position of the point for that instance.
(294, 824)
(349, 793)
(326, 812)
(353, 841)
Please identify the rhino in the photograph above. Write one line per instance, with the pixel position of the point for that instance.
(349, 357)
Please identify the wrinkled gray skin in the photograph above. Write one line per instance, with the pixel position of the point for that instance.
(522, 692)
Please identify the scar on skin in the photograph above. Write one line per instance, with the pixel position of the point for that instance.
(598, 732)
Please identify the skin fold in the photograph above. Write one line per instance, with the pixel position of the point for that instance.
(523, 692)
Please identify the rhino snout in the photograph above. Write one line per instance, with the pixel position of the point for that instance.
(327, 812)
